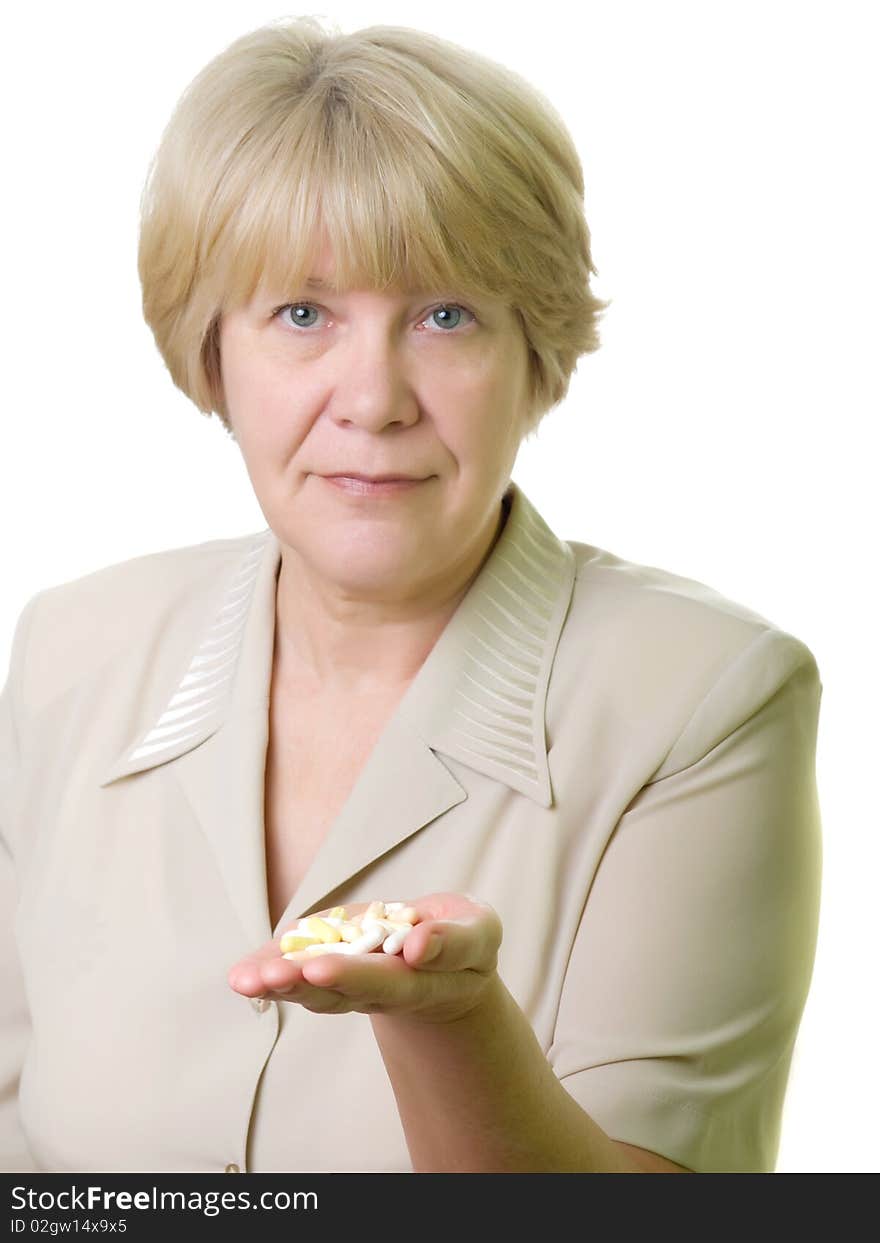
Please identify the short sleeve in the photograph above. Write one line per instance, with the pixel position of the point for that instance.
(693, 959)
(15, 1024)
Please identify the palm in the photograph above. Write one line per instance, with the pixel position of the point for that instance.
(377, 983)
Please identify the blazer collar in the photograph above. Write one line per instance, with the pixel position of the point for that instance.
(479, 698)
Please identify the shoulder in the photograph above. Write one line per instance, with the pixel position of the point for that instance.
(659, 650)
(653, 613)
(75, 625)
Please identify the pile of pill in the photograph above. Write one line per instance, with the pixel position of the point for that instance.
(382, 925)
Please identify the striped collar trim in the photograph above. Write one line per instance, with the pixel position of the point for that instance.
(479, 697)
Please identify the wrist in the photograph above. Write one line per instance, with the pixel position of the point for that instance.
(485, 1007)
(482, 1008)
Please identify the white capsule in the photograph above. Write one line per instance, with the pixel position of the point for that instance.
(393, 943)
(332, 947)
(391, 908)
(371, 940)
(334, 921)
(376, 922)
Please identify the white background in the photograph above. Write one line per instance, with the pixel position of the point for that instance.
(726, 430)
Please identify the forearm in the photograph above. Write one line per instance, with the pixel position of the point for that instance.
(478, 1095)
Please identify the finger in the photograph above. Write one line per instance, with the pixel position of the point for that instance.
(246, 977)
(249, 978)
(470, 943)
(318, 1000)
(372, 982)
(285, 980)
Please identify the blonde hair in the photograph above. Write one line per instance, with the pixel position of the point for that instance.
(428, 166)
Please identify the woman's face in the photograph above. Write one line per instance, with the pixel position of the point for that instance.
(377, 383)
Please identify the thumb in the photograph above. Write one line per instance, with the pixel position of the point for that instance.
(456, 945)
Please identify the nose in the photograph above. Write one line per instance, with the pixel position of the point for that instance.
(373, 382)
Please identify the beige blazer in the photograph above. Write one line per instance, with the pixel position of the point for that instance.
(620, 760)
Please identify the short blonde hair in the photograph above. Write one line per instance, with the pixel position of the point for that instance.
(425, 165)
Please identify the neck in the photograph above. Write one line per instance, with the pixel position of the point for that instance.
(328, 642)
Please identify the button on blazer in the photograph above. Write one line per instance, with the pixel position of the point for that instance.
(619, 759)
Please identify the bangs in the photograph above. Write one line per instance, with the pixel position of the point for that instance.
(393, 214)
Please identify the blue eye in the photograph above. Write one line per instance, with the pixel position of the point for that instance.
(296, 307)
(453, 309)
(449, 308)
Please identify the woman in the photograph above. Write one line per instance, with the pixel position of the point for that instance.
(593, 779)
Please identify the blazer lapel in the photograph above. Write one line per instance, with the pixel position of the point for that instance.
(401, 789)
(479, 697)
(223, 780)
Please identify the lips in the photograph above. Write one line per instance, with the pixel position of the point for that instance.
(347, 474)
(355, 485)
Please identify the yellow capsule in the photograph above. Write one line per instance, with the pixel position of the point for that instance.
(338, 912)
(291, 942)
(376, 910)
(316, 927)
